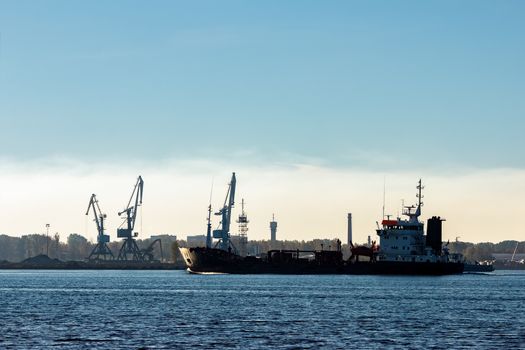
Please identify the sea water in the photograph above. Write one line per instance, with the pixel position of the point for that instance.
(174, 309)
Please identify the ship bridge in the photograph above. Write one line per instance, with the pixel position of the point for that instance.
(401, 239)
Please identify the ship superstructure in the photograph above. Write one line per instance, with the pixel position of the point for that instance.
(405, 239)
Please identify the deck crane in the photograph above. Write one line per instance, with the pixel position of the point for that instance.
(223, 234)
(101, 250)
(129, 249)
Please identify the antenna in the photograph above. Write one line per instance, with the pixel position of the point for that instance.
(516, 248)
(209, 240)
(211, 190)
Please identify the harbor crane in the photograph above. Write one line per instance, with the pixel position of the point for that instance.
(129, 249)
(101, 250)
(223, 234)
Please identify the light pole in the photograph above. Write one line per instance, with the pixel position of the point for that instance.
(47, 239)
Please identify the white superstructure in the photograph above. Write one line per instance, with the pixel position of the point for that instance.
(405, 240)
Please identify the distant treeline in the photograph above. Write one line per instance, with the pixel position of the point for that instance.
(484, 251)
(77, 247)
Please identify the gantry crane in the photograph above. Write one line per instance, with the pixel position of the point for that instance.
(101, 250)
(129, 249)
(223, 234)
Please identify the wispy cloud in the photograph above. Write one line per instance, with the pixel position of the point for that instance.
(308, 200)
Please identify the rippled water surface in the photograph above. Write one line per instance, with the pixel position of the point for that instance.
(172, 309)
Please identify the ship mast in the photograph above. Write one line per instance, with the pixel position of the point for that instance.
(208, 231)
(413, 216)
(209, 240)
(419, 195)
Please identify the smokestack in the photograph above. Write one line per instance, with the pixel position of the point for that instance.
(435, 234)
(349, 228)
(273, 229)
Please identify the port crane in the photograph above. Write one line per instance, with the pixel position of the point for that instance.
(101, 251)
(130, 249)
(223, 233)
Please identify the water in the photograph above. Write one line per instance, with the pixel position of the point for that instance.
(172, 309)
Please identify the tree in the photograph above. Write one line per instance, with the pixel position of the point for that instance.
(175, 252)
(78, 247)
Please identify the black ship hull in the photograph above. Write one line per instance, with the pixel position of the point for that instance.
(209, 260)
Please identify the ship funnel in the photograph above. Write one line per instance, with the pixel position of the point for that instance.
(434, 234)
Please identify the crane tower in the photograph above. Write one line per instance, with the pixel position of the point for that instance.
(223, 233)
(129, 249)
(101, 250)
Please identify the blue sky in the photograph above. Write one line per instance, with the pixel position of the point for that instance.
(343, 83)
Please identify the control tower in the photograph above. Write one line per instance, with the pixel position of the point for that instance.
(273, 229)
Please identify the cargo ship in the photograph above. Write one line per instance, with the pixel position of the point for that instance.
(404, 249)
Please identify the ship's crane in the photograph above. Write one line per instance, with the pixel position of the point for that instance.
(101, 250)
(129, 249)
(223, 234)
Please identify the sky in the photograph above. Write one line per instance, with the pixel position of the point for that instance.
(315, 104)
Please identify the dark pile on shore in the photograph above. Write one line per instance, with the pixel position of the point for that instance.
(41, 260)
(45, 262)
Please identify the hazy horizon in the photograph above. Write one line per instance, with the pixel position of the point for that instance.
(309, 201)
